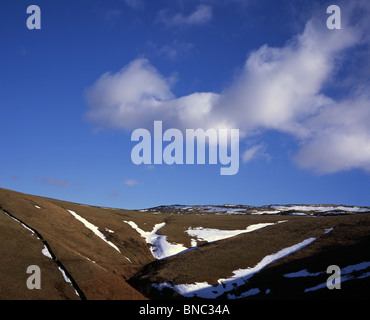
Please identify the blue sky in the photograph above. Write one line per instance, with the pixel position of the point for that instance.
(72, 93)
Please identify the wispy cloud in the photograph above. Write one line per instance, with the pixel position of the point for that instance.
(256, 151)
(200, 16)
(112, 15)
(56, 182)
(173, 51)
(135, 4)
(130, 182)
(115, 194)
(176, 50)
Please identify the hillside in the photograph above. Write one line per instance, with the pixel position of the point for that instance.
(181, 252)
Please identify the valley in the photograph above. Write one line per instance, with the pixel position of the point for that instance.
(181, 251)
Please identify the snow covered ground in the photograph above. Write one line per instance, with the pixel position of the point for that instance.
(321, 208)
(93, 228)
(346, 273)
(160, 248)
(209, 234)
(239, 277)
(46, 252)
(271, 209)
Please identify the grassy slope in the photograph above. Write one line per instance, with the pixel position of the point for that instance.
(105, 278)
(99, 270)
(20, 249)
(347, 244)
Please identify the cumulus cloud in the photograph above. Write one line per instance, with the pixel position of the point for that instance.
(278, 88)
(138, 94)
(339, 138)
(129, 98)
(200, 16)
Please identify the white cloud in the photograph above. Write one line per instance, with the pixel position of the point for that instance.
(278, 89)
(339, 138)
(200, 16)
(129, 98)
(336, 151)
(138, 94)
(254, 152)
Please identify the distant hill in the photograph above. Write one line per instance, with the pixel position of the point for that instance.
(181, 251)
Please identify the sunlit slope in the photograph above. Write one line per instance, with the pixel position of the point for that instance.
(287, 259)
(226, 251)
(98, 268)
(19, 249)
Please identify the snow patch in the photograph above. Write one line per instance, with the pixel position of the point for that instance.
(160, 248)
(346, 274)
(209, 234)
(90, 260)
(321, 208)
(93, 228)
(66, 278)
(239, 277)
(19, 221)
(46, 252)
(256, 212)
(193, 243)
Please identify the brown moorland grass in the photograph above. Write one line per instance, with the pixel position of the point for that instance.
(102, 272)
(343, 246)
(19, 249)
(87, 258)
